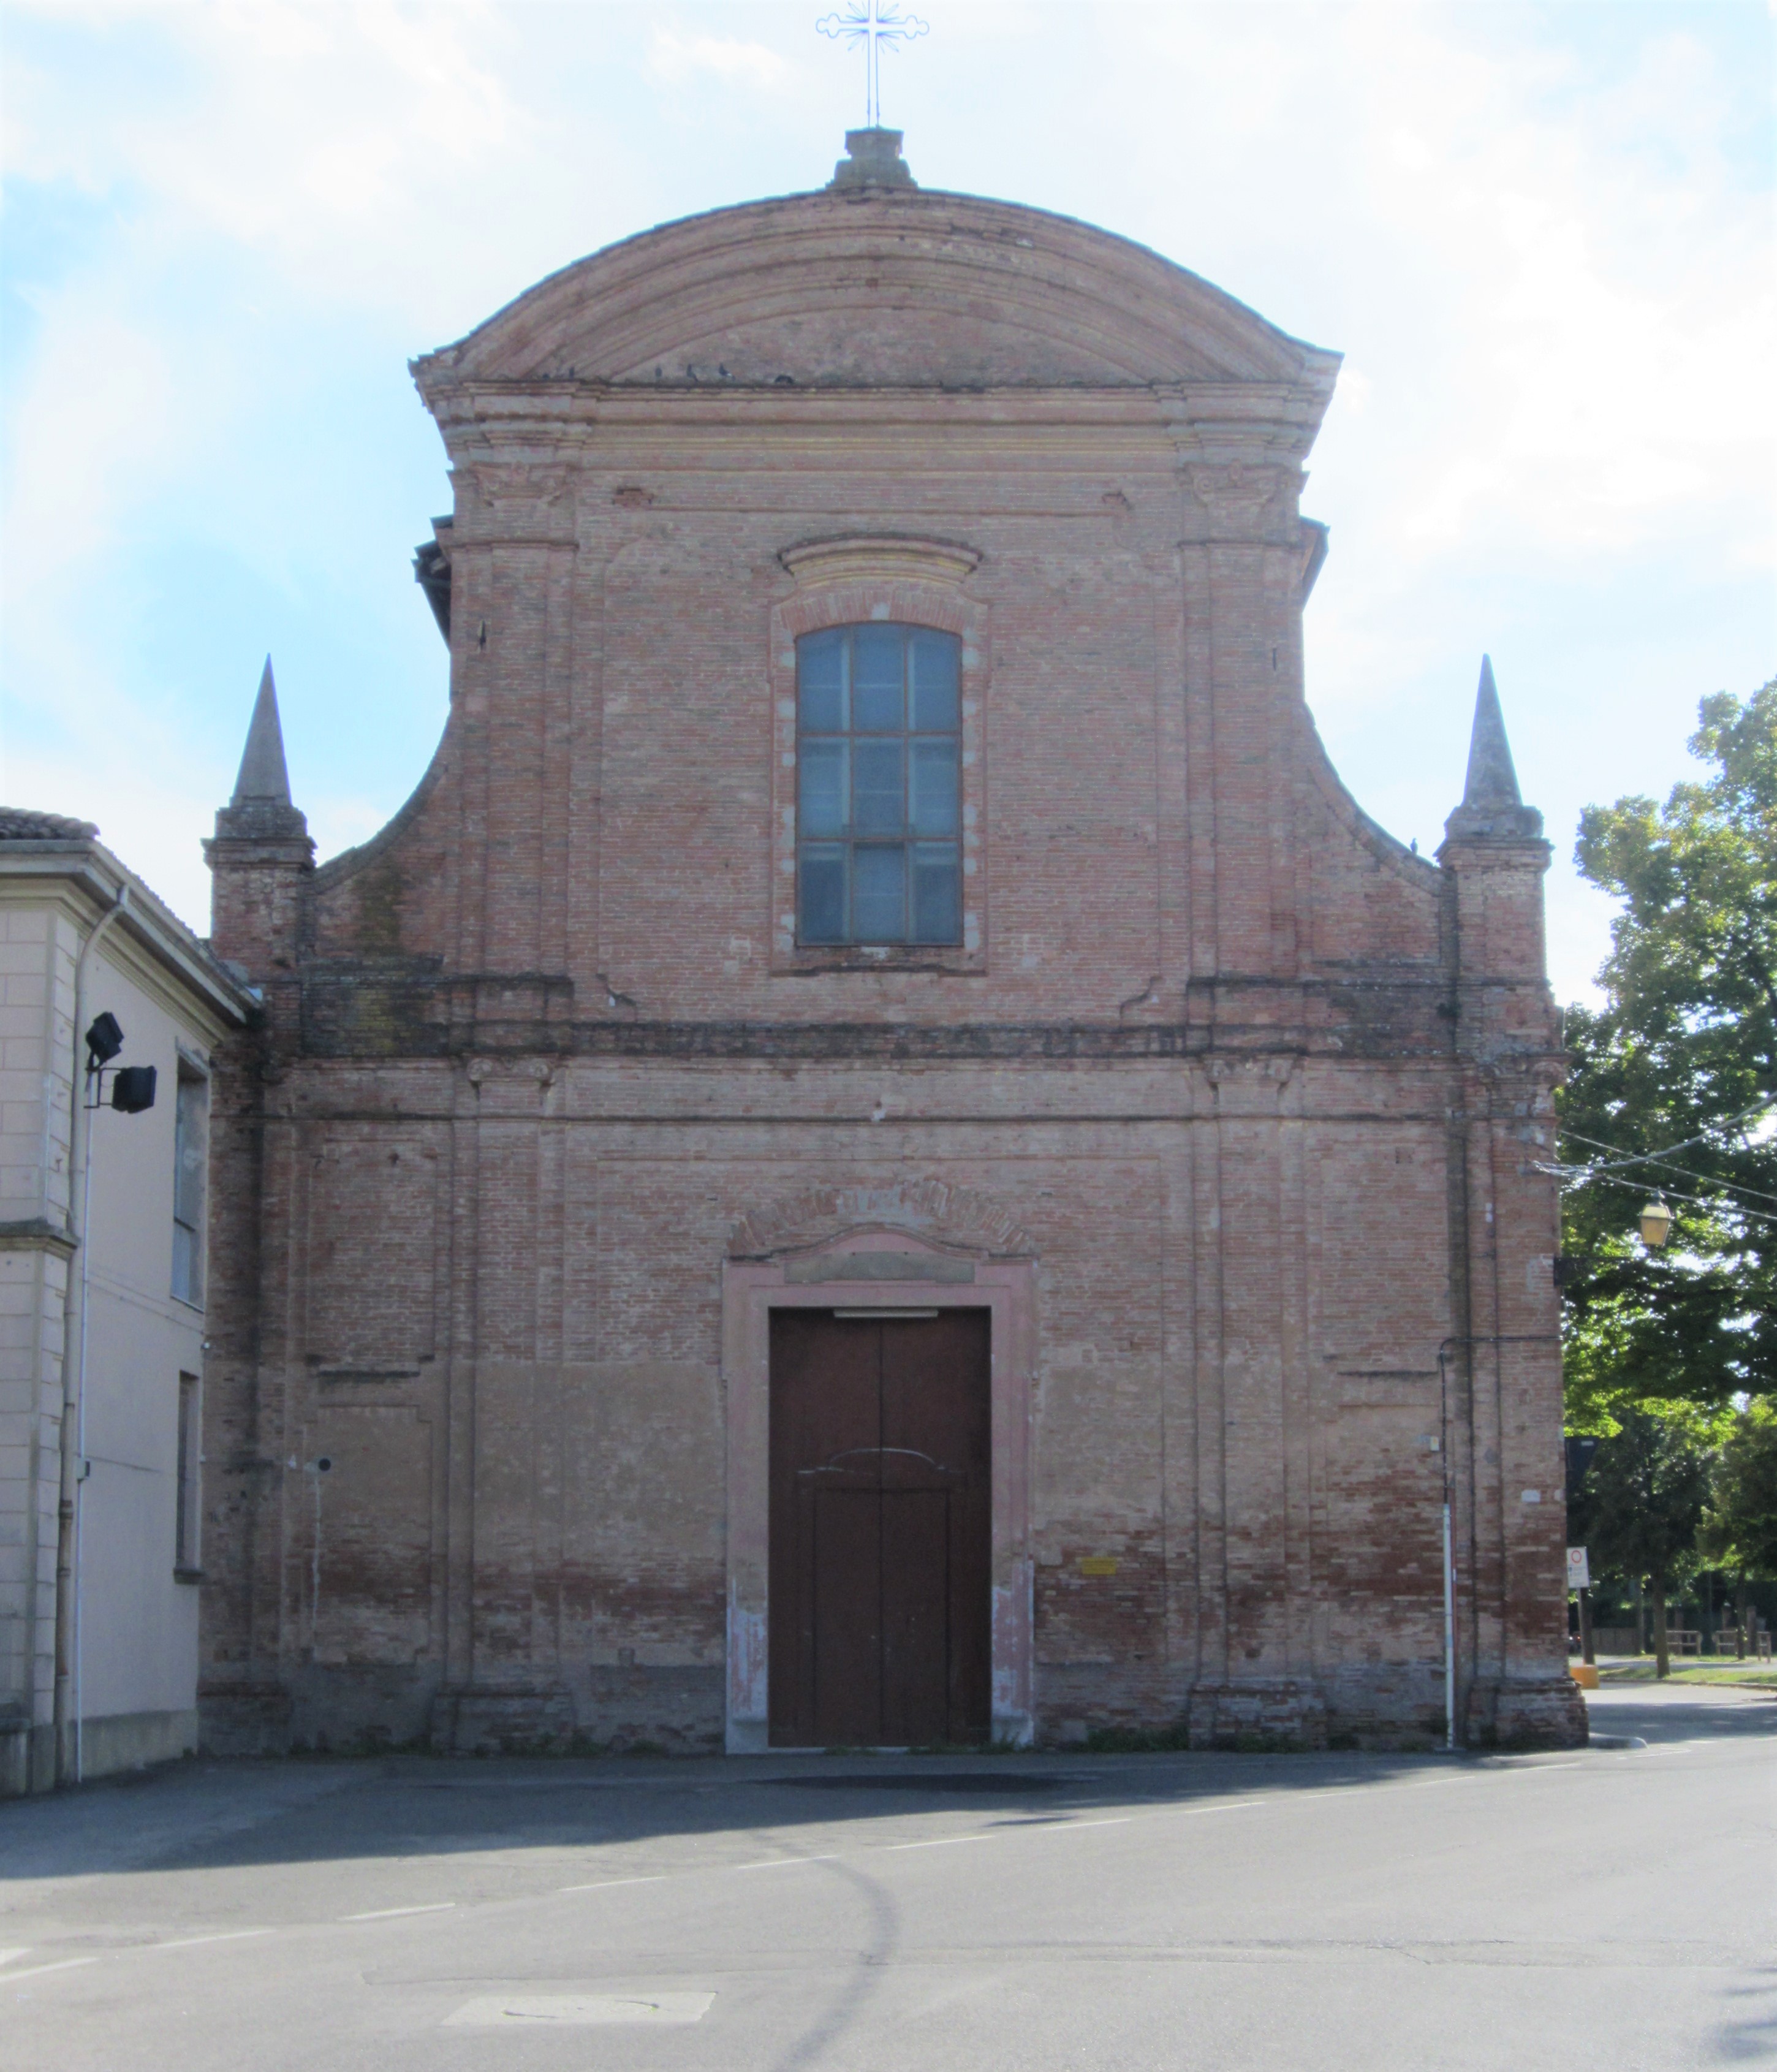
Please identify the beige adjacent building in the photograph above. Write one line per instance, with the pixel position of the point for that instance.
(102, 1262)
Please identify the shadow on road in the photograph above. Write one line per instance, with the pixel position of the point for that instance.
(208, 1815)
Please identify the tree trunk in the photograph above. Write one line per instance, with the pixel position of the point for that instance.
(1740, 1619)
(1662, 1660)
(1641, 1619)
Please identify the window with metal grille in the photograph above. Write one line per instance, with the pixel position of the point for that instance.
(191, 1161)
(878, 785)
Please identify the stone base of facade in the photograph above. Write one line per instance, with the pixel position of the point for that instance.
(1278, 1711)
(503, 1719)
(677, 1710)
(243, 1719)
(1386, 1705)
(353, 1708)
(361, 1706)
(1542, 1712)
(674, 1708)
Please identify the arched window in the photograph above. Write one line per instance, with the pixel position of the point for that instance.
(878, 785)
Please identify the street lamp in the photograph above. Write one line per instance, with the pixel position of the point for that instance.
(1657, 1221)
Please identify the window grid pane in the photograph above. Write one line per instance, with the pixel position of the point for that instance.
(878, 770)
(191, 1158)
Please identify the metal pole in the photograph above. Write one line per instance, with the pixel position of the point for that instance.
(1449, 1553)
(84, 1470)
(1449, 1639)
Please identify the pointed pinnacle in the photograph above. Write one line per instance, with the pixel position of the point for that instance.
(263, 774)
(1492, 808)
(1491, 780)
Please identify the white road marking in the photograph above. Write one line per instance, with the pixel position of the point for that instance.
(1061, 1826)
(37, 1971)
(1232, 1806)
(943, 1842)
(192, 1941)
(391, 1913)
(580, 2010)
(6, 1956)
(604, 1884)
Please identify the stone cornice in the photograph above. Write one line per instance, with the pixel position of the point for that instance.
(37, 1233)
(485, 420)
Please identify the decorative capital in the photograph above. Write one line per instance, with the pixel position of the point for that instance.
(510, 500)
(1236, 496)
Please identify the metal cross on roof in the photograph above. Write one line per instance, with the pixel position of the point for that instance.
(874, 24)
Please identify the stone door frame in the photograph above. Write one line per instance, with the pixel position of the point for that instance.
(894, 1269)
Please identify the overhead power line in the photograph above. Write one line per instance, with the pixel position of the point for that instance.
(1707, 1179)
(1763, 1105)
(1578, 1176)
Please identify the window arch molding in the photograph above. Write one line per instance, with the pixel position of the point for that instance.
(855, 581)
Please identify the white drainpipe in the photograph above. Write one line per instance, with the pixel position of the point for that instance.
(73, 1434)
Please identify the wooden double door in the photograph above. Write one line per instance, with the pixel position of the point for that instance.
(881, 1511)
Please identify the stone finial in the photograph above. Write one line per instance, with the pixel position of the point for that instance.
(263, 774)
(1492, 807)
(873, 159)
(261, 808)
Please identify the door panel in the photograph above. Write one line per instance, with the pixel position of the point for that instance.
(826, 1390)
(847, 1627)
(880, 1514)
(915, 1677)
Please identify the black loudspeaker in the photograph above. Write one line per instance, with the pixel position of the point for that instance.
(133, 1089)
(1579, 1451)
(104, 1041)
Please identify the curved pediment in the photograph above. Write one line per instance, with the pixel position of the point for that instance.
(903, 289)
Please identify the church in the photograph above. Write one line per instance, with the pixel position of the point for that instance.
(881, 1155)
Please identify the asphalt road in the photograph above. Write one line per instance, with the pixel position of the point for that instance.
(1615, 1908)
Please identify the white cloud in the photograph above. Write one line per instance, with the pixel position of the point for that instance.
(674, 57)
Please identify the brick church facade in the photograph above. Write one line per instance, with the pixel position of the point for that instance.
(880, 1154)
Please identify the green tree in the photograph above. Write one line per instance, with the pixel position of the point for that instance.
(1639, 1507)
(1739, 1530)
(1681, 1060)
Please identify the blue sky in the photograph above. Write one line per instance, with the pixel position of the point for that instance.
(1542, 236)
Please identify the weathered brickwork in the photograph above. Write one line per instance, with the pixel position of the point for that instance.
(1252, 1097)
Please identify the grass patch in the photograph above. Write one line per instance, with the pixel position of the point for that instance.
(1135, 1740)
